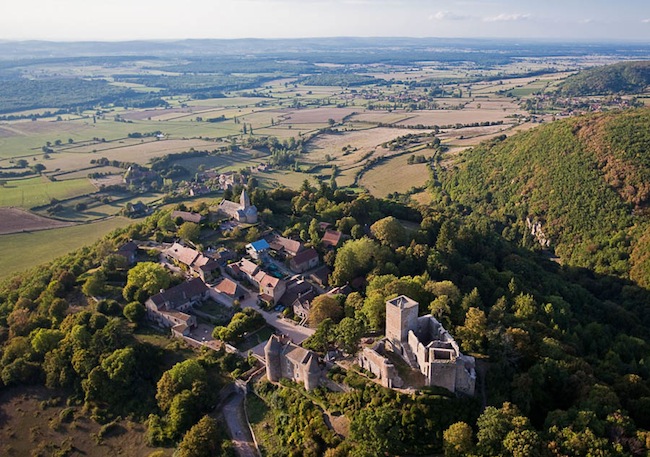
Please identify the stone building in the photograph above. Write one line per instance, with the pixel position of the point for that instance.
(287, 360)
(242, 212)
(425, 345)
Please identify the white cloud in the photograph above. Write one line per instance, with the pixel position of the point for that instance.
(507, 18)
(447, 16)
(646, 21)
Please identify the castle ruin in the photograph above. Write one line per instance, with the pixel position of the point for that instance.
(425, 345)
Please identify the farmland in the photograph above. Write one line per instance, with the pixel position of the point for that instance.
(329, 119)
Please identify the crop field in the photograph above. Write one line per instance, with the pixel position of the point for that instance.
(24, 250)
(394, 175)
(27, 193)
(14, 220)
(364, 141)
(464, 116)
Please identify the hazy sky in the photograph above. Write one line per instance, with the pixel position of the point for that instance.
(141, 19)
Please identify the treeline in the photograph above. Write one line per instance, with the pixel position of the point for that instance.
(340, 79)
(23, 94)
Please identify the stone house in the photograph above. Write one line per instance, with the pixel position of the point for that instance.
(287, 360)
(242, 212)
(168, 309)
(187, 216)
(304, 260)
(199, 265)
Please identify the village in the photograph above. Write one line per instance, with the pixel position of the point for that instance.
(278, 278)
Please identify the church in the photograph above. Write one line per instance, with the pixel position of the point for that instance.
(242, 212)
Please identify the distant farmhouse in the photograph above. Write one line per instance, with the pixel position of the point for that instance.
(425, 345)
(242, 212)
(168, 308)
(287, 360)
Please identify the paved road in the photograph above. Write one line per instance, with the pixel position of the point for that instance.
(233, 412)
(296, 332)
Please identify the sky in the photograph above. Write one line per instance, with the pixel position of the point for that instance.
(116, 20)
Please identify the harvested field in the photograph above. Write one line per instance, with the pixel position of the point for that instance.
(394, 175)
(30, 426)
(315, 115)
(143, 152)
(14, 220)
(365, 141)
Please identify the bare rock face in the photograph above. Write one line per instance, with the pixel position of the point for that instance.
(536, 230)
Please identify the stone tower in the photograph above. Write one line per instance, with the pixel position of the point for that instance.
(272, 352)
(244, 200)
(401, 316)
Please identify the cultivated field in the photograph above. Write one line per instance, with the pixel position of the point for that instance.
(394, 175)
(13, 220)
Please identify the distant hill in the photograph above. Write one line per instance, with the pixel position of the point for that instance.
(585, 180)
(620, 78)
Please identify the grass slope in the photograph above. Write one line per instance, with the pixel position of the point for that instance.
(19, 254)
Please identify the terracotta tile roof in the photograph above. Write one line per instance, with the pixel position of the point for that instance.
(280, 243)
(331, 238)
(227, 287)
(305, 256)
(182, 254)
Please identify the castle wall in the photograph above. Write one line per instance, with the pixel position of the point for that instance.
(443, 374)
(377, 364)
(466, 375)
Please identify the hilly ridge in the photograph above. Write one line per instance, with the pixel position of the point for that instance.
(619, 78)
(585, 180)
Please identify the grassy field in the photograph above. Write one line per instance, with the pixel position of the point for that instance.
(27, 193)
(32, 425)
(24, 250)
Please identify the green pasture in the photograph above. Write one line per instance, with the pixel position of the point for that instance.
(27, 193)
(25, 250)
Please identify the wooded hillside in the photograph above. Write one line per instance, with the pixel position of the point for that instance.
(585, 180)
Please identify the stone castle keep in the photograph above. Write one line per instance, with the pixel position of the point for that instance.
(425, 345)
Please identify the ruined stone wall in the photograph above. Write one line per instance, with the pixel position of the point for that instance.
(466, 375)
(443, 374)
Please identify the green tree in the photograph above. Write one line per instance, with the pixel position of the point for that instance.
(474, 333)
(202, 440)
(189, 231)
(134, 311)
(148, 277)
(389, 231)
(181, 376)
(324, 307)
(95, 284)
(44, 340)
(348, 334)
(457, 440)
